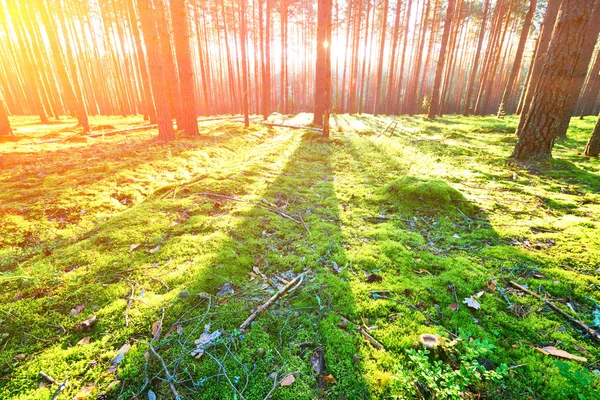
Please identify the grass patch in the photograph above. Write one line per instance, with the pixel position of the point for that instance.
(394, 232)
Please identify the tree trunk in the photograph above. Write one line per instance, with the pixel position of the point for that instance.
(506, 104)
(5, 129)
(157, 73)
(182, 33)
(541, 124)
(593, 146)
(266, 79)
(538, 60)
(323, 64)
(244, 64)
(377, 95)
(471, 83)
(435, 95)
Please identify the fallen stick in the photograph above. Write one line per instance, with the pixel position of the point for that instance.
(345, 322)
(273, 299)
(594, 333)
(61, 385)
(169, 377)
(387, 127)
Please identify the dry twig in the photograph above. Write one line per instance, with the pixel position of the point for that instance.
(291, 284)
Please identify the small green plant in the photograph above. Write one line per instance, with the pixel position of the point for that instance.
(581, 383)
(451, 370)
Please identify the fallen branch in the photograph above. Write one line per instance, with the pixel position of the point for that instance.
(168, 376)
(594, 333)
(369, 338)
(61, 385)
(294, 282)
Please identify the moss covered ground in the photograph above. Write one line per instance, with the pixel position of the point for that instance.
(166, 244)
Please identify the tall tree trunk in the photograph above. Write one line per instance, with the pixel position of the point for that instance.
(157, 74)
(506, 104)
(77, 106)
(541, 126)
(474, 68)
(182, 34)
(377, 89)
(593, 146)
(266, 79)
(540, 53)
(435, 95)
(243, 35)
(323, 64)
(5, 129)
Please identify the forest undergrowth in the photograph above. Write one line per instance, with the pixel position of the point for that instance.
(127, 266)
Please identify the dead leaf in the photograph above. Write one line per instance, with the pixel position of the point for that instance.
(288, 380)
(227, 288)
(156, 330)
(171, 329)
(471, 302)
(491, 284)
(86, 325)
(315, 361)
(134, 247)
(75, 311)
(204, 341)
(553, 351)
(478, 295)
(453, 306)
(116, 360)
(422, 272)
(84, 391)
(374, 278)
(83, 341)
(154, 250)
(329, 379)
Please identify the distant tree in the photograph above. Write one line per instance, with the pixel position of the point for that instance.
(5, 129)
(157, 75)
(542, 122)
(323, 65)
(506, 104)
(475, 66)
(182, 33)
(244, 41)
(593, 146)
(378, 79)
(76, 105)
(435, 95)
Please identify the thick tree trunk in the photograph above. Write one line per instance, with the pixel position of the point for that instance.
(538, 60)
(435, 95)
(593, 146)
(5, 129)
(506, 104)
(157, 73)
(182, 33)
(542, 122)
(323, 64)
(266, 79)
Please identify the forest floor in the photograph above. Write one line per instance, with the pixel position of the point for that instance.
(120, 257)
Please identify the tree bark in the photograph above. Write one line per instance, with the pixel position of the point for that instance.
(244, 64)
(506, 104)
(323, 64)
(593, 146)
(377, 95)
(5, 129)
(157, 73)
(182, 34)
(435, 95)
(541, 124)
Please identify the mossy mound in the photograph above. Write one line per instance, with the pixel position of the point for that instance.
(413, 193)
